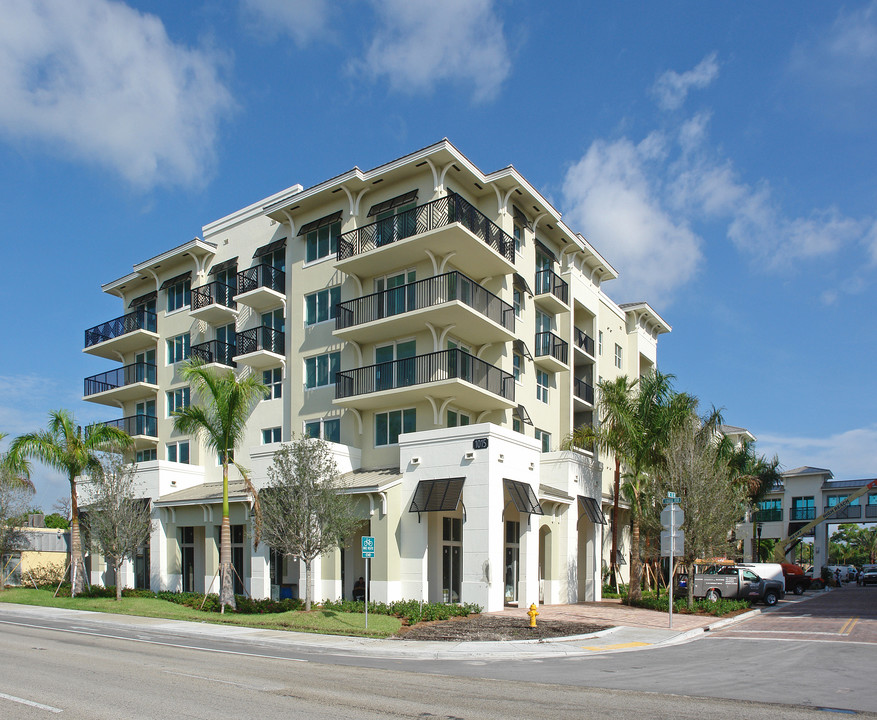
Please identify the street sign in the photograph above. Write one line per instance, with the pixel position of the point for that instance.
(678, 517)
(670, 501)
(368, 547)
(678, 543)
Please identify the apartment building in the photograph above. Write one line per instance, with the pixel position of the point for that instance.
(441, 327)
(804, 494)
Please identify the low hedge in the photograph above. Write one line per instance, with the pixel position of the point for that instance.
(412, 611)
(718, 608)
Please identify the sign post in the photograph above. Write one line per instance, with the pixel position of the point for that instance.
(368, 552)
(672, 538)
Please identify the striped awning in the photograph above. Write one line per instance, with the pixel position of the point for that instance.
(437, 495)
(592, 510)
(523, 497)
(317, 224)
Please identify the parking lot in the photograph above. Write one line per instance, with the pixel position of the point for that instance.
(846, 614)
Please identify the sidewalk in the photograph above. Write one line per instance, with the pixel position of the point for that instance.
(634, 629)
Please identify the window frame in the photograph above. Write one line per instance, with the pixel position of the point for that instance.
(313, 239)
(619, 357)
(322, 423)
(543, 385)
(180, 293)
(177, 448)
(403, 414)
(276, 435)
(275, 387)
(177, 399)
(314, 360)
(330, 295)
(178, 344)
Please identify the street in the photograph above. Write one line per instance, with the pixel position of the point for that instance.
(86, 667)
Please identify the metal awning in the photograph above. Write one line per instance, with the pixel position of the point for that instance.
(521, 348)
(520, 218)
(270, 247)
(395, 202)
(592, 510)
(546, 250)
(521, 413)
(225, 265)
(519, 283)
(176, 280)
(143, 299)
(317, 224)
(523, 497)
(437, 495)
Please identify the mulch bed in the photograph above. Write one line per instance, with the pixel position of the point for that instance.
(495, 627)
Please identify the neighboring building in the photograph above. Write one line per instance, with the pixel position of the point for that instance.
(44, 555)
(442, 328)
(804, 494)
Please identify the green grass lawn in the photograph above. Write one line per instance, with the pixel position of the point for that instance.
(326, 622)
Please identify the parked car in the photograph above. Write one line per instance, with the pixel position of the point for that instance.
(869, 575)
(768, 571)
(737, 583)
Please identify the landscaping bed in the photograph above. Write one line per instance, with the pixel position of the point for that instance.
(495, 627)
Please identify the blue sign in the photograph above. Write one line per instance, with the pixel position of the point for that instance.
(368, 547)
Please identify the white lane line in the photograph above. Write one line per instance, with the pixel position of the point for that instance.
(784, 632)
(37, 705)
(152, 642)
(216, 680)
(727, 638)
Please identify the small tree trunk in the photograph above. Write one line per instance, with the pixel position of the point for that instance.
(307, 585)
(613, 568)
(77, 564)
(634, 592)
(117, 569)
(226, 581)
(691, 568)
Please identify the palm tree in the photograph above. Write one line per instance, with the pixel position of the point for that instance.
(221, 423)
(64, 447)
(15, 470)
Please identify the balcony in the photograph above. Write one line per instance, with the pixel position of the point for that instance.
(447, 225)
(583, 392)
(871, 510)
(584, 345)
(769, 515)
(143, 429)
(261, 287)
(260, 347)
(215, 352)
(450, 299)
(850, 512)
(802, 513)
(551, 292)
(551, 352)
(445, 374)
(131, 382)
(135, 331)
(214, 303)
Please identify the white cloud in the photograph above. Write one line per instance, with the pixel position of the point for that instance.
(671, 88)
(420, 43)
(849, 455)
(100, 81)
(303, 20)
(613, 193)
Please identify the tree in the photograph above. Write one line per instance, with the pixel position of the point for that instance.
(118, 517)
(17, 469)
(64, 447)
(710, 497)
(304, 514)
(853, 544)
(14, 499)
(221, 423)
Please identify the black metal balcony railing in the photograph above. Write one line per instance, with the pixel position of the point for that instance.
(137, 320)
(802, 513)
(584, 341)
(547, 343)
(850, 512)
(215, 351)
(871, 511)
(422, 369)
(260, 338)
(583, 391)
(214, 293)
(261, 276)
(423, 218)
(769, 515)
(127, 375)
(146, 425)
(548, 281)
(423, 294)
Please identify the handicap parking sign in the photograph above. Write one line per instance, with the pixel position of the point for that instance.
(368, 547)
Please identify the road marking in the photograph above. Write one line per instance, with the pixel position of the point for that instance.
(616, 646)
(784, 632)
(152, 642)
(37, 705)
(848, 628)
(786, 639)
(216, 680)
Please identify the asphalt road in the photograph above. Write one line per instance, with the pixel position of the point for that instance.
(76, 670)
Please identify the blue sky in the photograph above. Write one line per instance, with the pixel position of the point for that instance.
(720, 155)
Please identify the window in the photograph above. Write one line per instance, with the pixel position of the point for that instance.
(270, 435)
(517, 366)
(545, 439)
(518, 301)
(230, 457)
(517, 425)
(179, 295)
(456, 419)
(177, 348)
(272, 379)
(542, 383)
(274, 320)
(328, 430)
(275, 259)
(320, 306)
(320, 370)
(146, 455)
(389, 425)
(619, 360)
(519, 234)
(177, 400)
(398, 293)
(322, 242)
(803, 508)
(600, 342)
(178, 452)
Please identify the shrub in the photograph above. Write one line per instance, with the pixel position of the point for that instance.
(718, 608)
(45, 575)
(411, 611)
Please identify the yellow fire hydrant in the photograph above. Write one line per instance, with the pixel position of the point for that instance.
(532, 612)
